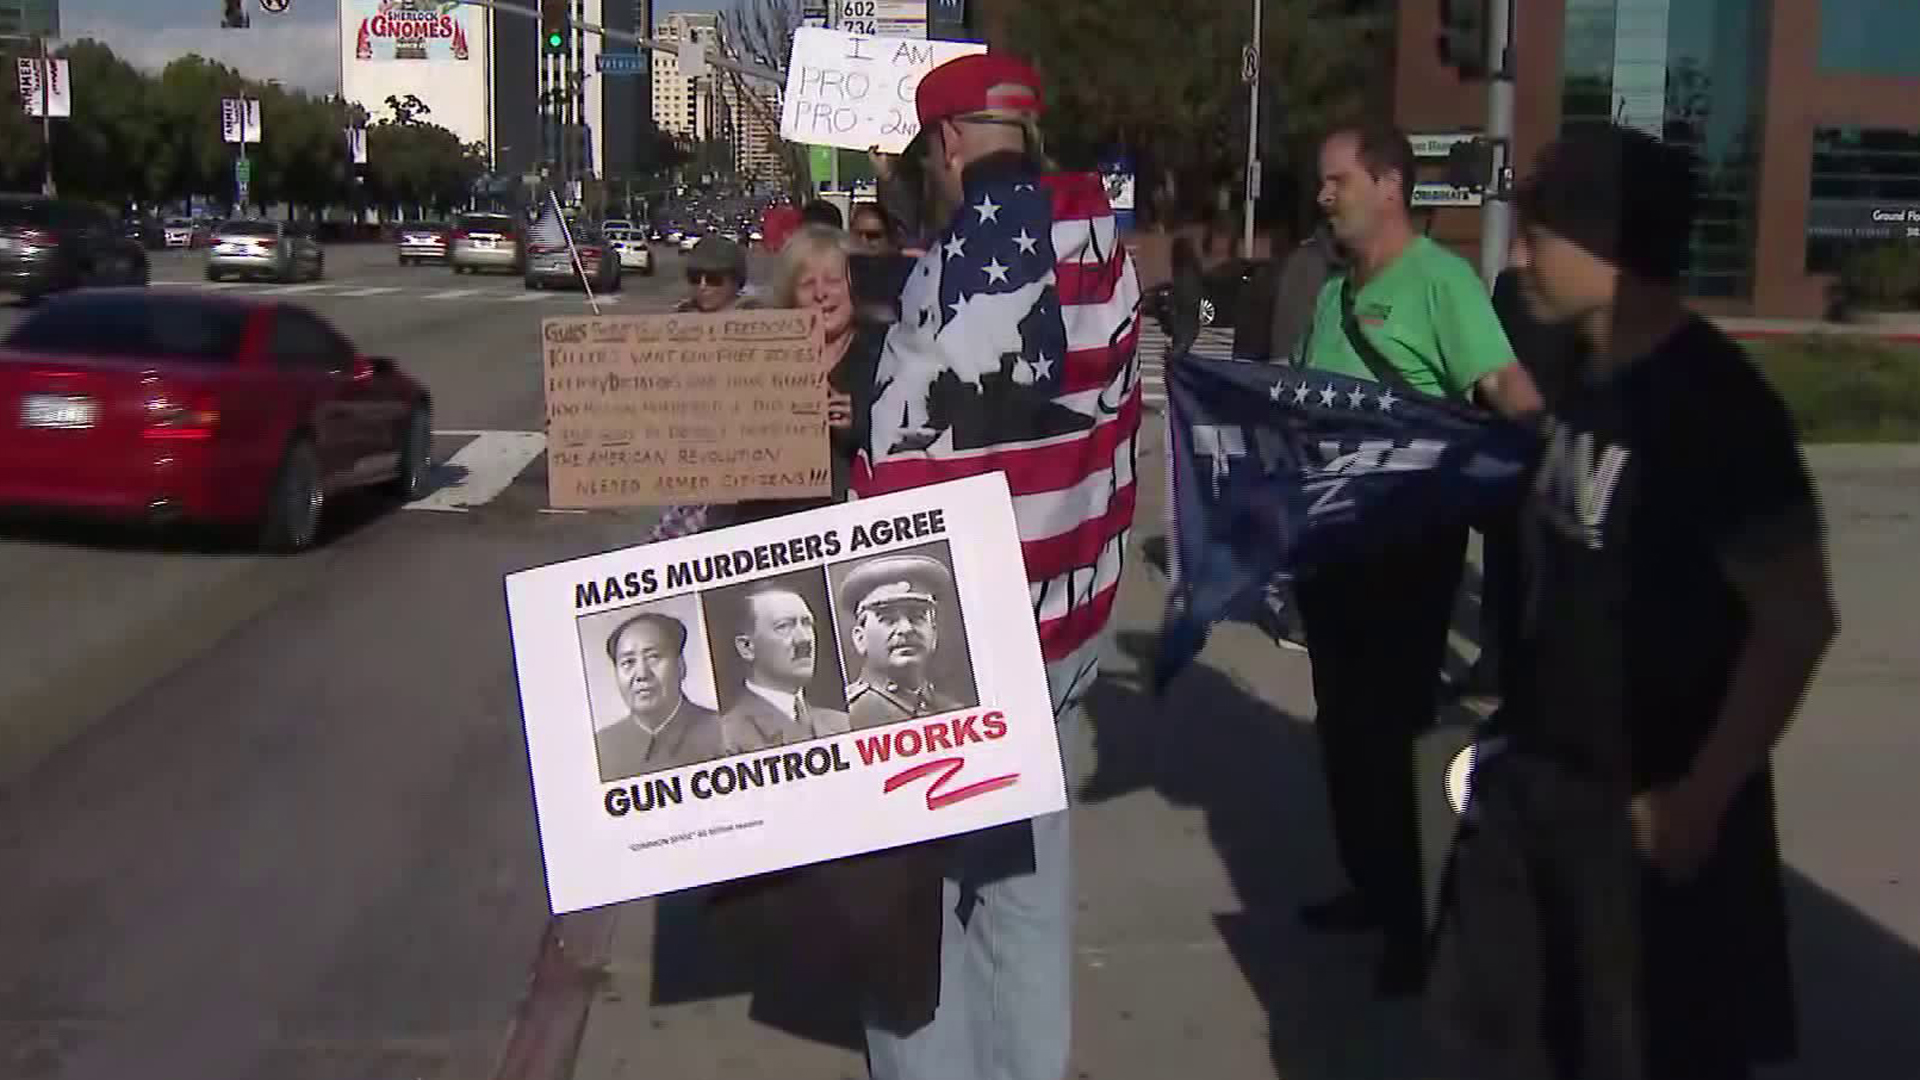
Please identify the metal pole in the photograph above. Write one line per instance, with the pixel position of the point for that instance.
(645, 41)
(1253, 141)
(46, 118)
(579, 90)
(1496, 210)
(833, 152)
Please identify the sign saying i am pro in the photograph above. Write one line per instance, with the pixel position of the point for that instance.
(855, 91)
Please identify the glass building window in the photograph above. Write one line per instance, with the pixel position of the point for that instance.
(1870, 37)
(1863, 191)
(1689, 72)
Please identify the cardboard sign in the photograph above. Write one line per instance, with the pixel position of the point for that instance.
(645, 410)
(855, 91)
(798, 689)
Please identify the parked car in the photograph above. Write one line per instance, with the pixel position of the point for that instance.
(178, 233)
(485, 242)
(264, 249)
(632, 247)
(422, 241)
(47, 245)
(165, 407)
(687, 240)
(548, 266)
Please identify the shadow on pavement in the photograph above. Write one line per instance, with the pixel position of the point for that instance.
(346, 514)
(1254, 772)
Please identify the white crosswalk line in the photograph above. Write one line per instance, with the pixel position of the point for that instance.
(451, 294)
(377, 290)
(527, 297)
(488, 465)
(293, 290)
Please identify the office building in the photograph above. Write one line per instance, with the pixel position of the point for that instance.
(1804, 117)
(691, 109)
(35, 18)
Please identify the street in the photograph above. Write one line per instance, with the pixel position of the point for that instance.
(291, 836)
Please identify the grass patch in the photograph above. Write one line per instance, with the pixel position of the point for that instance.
(1846, 388)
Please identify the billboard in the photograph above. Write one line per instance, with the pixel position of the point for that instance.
(408, 30)
(429, 49)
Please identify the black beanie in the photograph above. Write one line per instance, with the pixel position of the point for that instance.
(1619, 193)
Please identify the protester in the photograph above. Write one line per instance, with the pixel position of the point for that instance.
(1297, 290)
(822, 212)
(1407, 313)
(1617, 891)
(716, 274)
(978, 378)
(1185, 292)
(872, 234)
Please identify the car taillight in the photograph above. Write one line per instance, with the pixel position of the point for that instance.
(177, 416)
(265, 243)
(589, 252)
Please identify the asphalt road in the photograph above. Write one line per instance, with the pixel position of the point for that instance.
(291, 837)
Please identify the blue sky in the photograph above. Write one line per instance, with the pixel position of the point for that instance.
(299, 47)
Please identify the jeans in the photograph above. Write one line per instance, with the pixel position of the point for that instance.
(1006, 946)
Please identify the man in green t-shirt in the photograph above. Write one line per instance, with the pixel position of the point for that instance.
(1377, 624)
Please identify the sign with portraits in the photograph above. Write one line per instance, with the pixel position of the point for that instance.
(784, 692)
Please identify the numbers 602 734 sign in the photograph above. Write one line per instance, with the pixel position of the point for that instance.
(859, 17)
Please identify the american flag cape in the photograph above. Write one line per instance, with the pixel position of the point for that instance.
(1015, 353)
(1273, 468)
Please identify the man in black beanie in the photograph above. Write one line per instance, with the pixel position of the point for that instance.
(1615, 898)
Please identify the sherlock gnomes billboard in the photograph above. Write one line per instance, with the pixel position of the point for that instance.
(430, 49)
(408, 30)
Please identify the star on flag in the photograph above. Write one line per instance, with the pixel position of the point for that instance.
(988, 210)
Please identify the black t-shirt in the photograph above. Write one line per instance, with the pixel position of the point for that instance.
(1631, 627)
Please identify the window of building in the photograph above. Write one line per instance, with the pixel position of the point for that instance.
(1870, 37)
(1863, 190)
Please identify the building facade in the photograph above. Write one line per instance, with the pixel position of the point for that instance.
(687, 108)
(34, 18)
(1803, 116)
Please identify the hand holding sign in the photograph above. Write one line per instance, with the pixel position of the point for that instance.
(856, 92)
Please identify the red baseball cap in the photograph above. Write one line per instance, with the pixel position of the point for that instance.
(978, 83)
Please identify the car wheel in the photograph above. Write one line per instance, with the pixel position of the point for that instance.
(416, 455)
(213, 275)
(294, 503)
(404, 261)
(1206, 312)
(319, 269)
(535, 283)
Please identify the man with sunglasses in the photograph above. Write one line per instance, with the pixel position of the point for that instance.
(1022, 272)
(716, 272)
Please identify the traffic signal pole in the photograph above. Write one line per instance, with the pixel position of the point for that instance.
(1496, 209)
(752, 71)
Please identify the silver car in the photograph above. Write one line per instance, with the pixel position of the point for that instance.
(263, 249)
(485, 242)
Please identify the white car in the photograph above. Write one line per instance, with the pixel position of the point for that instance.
(633, 249)
(613, 225)
(177, 233)
(687, 241)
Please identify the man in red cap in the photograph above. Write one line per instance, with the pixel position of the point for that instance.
(1013, 354)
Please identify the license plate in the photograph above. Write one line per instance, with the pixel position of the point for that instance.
(58, 411)
(483, 242)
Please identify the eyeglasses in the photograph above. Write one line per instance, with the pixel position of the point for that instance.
(709, 277)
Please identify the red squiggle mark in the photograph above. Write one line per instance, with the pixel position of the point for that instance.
(935, 798)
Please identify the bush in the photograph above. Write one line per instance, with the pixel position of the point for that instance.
(1846, 388)
(1883, 278)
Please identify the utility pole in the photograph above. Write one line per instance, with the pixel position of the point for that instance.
(1250, 71)
(46, 118)
(1496, 209)
(833, 152)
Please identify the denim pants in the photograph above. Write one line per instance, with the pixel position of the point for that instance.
(1006, 945)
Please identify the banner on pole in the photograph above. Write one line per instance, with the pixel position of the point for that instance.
(239, 120)
(59, 89)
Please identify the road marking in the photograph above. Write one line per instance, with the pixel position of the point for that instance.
(451, 294)
(527, 297)
(490, 463)
(292, 289)
(559, 510)
(377, 290)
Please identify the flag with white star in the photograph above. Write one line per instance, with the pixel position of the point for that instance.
(1276, 468)
(1015, 353)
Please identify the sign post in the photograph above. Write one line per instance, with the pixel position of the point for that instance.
(1250, 71)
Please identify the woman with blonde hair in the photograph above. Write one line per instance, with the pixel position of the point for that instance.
(813, 276)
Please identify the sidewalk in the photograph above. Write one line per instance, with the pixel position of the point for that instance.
(1203, 826)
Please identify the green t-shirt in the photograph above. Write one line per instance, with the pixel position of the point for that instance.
(1428, 313)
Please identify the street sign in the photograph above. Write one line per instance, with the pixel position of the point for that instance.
(243, 172)
(1427, 194)
(275, 7)
(240, 193)
(693, 59)
(1439, 144)
(620, 63)
(1249, 64)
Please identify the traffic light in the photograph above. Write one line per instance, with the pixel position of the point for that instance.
(554, 25)
(1464, 44)
(235, 15)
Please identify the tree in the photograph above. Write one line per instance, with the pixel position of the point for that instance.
(1162, 81)
(761, 32)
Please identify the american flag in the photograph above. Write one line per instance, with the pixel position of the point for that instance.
(550, 230)
(1015, 353)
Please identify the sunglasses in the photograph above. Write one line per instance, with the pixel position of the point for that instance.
(873, 235)
(709, 277)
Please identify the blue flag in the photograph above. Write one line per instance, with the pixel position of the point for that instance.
(1274, 468)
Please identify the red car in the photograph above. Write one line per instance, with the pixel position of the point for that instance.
(207, 408)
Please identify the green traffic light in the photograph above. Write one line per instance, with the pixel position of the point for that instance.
(553, 41)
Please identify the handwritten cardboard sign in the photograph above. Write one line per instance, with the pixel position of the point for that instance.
(645, 410)
(854, 91)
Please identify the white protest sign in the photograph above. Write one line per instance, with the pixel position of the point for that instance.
(803, 688)
(855, 91)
